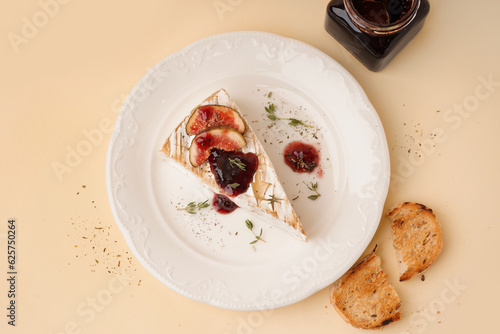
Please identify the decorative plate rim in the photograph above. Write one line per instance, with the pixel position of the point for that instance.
(115, 181)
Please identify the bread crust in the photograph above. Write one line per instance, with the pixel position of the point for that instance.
(364, 298)
(417, 237)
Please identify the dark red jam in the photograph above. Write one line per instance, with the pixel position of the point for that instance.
(382, 11)
(222, 204)
(233, 170)
(205, 141)
(206, 112)
(301, 157)
(375, 31)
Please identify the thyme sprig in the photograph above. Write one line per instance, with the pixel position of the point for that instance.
(237, 162)
(272, 199)
(192, 207)
(314, 187)
(257, 237)
(271, 109)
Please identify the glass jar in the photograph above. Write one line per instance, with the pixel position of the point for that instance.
(375, 31)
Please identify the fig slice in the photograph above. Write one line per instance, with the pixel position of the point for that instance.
(211, 116)
(221, 138)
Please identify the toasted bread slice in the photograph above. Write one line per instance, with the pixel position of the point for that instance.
(416, 236)
(364, 297)
(265, 184)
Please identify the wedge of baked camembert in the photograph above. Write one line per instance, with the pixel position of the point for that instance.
(217, 147)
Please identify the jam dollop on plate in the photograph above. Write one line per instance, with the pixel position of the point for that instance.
(301, 157)
(222, 204)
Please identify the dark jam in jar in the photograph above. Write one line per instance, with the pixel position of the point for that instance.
(301, 157)
(233, 170)
(222, 204)
(375, 31)
(382, 12)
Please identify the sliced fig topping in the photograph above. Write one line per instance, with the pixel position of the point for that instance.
(221, 138)
(211, 116)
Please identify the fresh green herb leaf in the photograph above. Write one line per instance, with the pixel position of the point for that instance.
(273, 199)
(203, 205)
(249, 225)
(314, 187)
(271, 109)
(192, 207)
(295, 122)
(234, 185)
(237, 162)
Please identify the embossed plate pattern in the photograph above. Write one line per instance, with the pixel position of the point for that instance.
(207, 256)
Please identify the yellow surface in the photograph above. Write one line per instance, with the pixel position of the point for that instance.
(66, 78)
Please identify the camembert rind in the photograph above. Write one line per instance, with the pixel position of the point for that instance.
(265, 185)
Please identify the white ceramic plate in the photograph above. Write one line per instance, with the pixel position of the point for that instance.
(207, 256)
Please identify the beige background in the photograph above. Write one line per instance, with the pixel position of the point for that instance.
(69, 76)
